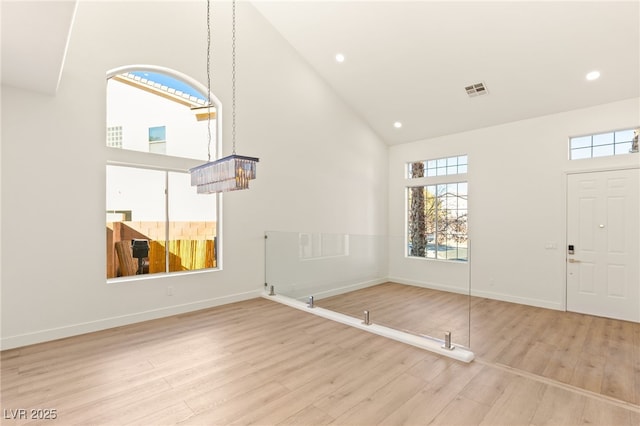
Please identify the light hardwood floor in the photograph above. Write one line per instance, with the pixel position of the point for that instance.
(259, 362)
(596, 354)
(408, 308)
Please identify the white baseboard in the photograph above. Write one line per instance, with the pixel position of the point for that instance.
(430, 285)
(323, 294)
(558, 306)
(11, 342)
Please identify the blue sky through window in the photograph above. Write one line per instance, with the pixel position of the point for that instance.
(168, 81)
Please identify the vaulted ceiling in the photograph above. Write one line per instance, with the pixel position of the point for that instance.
(410, 61)
(35, 35)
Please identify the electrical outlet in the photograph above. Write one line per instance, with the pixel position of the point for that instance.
(170, 291)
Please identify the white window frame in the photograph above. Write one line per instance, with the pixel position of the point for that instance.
(167, 163)
(615, 144)
(413, 182)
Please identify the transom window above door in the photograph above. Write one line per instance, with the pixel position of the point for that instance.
(603, 144)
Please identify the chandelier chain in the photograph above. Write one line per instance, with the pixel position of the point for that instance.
(233, 172)
(233, 75)
(208, 80)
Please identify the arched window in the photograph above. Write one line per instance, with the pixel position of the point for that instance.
(158, 126)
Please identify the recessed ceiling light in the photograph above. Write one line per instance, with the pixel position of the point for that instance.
(340, 57)
(593, 75)
(397, 124)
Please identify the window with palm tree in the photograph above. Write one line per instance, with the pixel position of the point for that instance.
(436, 218)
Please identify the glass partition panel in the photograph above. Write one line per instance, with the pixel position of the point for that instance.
(350, 274)
(300, 265)
(431, 297)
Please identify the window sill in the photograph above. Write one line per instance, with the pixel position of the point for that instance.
(145, 277)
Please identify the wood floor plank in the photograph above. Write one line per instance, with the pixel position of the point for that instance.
(600, 413)
(619, 382)
(517, 404)
(431, 367)
(440, 390)
(559, 407)
(373, 375)
(229, 410)
(461, 411)
(308, 416)
(335, 362)
(119, 407)
(170, 415)
(280, 409)
(213, 391)
(561, 364)
(486, 387)
(388, 398)
(636, 365)
(589, 372)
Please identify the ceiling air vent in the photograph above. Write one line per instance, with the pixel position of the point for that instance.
(476, 89)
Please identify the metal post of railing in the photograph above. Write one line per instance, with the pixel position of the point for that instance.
(366, 320)
(447, 341)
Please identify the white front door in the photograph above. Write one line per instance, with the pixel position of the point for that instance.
(603, 273)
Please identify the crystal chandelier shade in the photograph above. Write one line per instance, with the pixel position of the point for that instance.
(230, 173)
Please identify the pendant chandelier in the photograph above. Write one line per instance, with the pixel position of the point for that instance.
(233, 172)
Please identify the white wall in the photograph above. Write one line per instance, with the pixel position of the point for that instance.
(321, 168)
(517, 191)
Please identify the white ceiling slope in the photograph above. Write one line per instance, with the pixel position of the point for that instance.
(410, 61)
(35, 35)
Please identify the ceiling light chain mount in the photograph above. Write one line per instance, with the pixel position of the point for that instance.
(233, 172)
